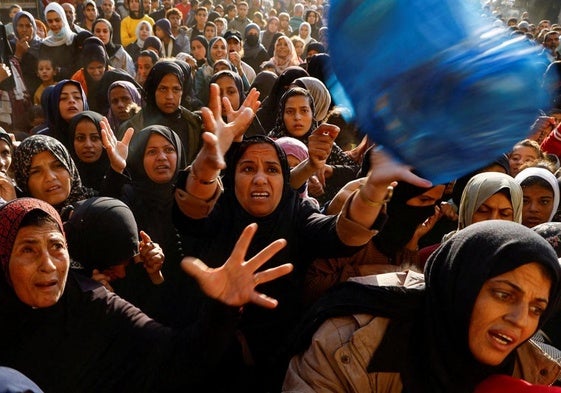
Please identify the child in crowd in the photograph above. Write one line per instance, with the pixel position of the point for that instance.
(47, 73)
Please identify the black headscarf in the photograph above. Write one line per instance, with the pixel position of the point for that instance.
(237, 80)
(280, 128)
(153, 79)
(204, 43)
(101, 233)
(91, 173)
(264, 82)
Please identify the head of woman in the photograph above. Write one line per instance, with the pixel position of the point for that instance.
(121, 96)
(103, 30)
(217, 49)
(523, 152)
(320, 94)
(44, 169)
(222, 65)
(231, 86)
(163, 88)
(65, 100)
(154, 44)
(33, 252)
(143, 31)
(56, 19)
(258, 174)
(490, 196)
(304, 30)
(199, 48)
(499, 282)
(6, 151)
(156, 156)
(299, 45)
(540, 189)
(284, 49)
(296, 114)
(85, 132)
(25, 26)
(95, 60)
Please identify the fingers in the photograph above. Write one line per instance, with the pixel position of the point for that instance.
(128, 136)
(227, 106)
(195, 268)
(272, 273)
(263, 300)
(214, 101)
(252, 100)
(243, 242)
(327, 129)
(209, 123)
(145, 238)
(265, 254)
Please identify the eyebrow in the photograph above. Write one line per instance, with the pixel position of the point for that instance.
(520, 290)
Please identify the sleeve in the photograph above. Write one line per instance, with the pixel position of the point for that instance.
(552, 143)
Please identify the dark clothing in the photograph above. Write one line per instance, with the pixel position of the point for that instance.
(65, 58)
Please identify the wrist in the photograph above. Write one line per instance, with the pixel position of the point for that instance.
(204, 180)
(377, 198)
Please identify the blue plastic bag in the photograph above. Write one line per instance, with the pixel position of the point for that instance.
(435, 82)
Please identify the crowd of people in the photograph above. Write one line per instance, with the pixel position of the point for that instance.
(182, 198)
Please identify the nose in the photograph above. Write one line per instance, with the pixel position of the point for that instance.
(46, 263)
(533, 206)
(518, 315)
(260, 177)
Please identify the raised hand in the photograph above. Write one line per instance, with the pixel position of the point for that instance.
(117, 151)
(234, 282)
(251, 101)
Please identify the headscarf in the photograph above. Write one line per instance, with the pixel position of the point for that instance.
(4, 136)
(322, 99)
(282, 64)
(154, 42)
(93, 50)
(309, 38)
(157, 73)
(139, 42)
(114, 121)
(280, 128)
(211, 43)
(225, 62)
(543, 174)
(91, 174)
(101, 233)
(483, 186)
(251, 51)
(314, 45)
(237, 80)
(264, 82)
(58, 127)
(111, 48)
(11, 216)
(34, 41)
(204, 43)
(35, 144)
(188, 98)
(65, 36)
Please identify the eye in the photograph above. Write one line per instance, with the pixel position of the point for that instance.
(80, 138)
(273, 169)
(537, 310)
(169, 150)
(502, 295)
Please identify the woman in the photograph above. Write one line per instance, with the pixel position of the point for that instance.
(58, 45)
(231, 86)
(270, 30)
(44, 330)
(304, 32)
(498, 282)
(143, 31)
(163, 93)
(320, 94)
(297, 118)
(27, 56)
(314, 20)
(118, 57)
(257, 189)
(87, 149)
(199, 48)
(284, 55)
(44, 169)
(217, 49)
(124, 100)
(541, 195)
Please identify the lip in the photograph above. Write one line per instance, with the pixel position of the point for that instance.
(53, 189)
(88, 154)
(502, 340)
(47, 285)
(534, 220)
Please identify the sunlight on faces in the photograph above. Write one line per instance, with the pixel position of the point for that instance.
(24, 28)
(218, 50)
(538, 204)
(48, 179)
(259, 180)
(497, 207)
(70, 102)
(120, 99)
(144, 31)
(95, 70)
(168, 94)
(143, 66)
(298, 115)
(45, 70)
(507, 312)
(38, 265)
(282, 49)
(87, 142)
(160, 159)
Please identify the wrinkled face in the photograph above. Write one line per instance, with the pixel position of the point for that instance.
(282, 49)
(259, 180)
(90, 12)
(70, 102)
(95, 70)
(198, 50)
(298, 116)
(38, 265)
(54, 21)
(120, 99)
(144, 65)
(45, 70)
(521, 155)
(160, 159)
(168, 94)
(218, 50)
(102, 32)
(229, 89)
(497, 207)
(48, 179)
(5, 156)
(144, 31)
(87, 142)
(538, 205)
(24, 28)
(507, 312)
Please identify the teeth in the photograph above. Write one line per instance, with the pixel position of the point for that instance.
(503, 339)
(260, 194)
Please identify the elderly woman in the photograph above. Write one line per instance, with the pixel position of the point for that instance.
(257, 189)
(488, 290)
(55, 320)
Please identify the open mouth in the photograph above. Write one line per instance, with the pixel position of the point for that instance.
(260, 195)
(501, 338)
(53, 188)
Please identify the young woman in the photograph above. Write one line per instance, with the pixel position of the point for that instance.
(540, 189)
(284, 55)
(143, 31)
(118, 57)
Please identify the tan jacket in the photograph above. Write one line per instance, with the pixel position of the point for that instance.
(342, 347)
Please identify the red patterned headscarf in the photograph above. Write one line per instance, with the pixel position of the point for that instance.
(11, 216)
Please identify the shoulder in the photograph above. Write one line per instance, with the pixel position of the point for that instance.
(534, 365)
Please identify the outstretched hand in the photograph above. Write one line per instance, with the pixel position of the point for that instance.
(251, 101)
(234, 282)
(117, 151)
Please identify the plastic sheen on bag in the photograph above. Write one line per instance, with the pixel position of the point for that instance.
(435, 82)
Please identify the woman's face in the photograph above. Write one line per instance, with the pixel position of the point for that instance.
(160, 159)
(497, 207)
(520, 155)
(259, 180)
(120, 100)
(39, 265)
(538, 204)
(54, 21)
(5, 156)
(427, 198)
(312, 18)
(304, 31)
(507, 312)
(198, 50)
(273, 26)
(221, 66)
(144, 31)
(87, 142)
(299, 48)
(229, 89)
(158, 32)
(282, 49)
(168, 94)
(70, 101)
(95, 70)
(298, 115)
(48, 179)
(218, 50)
(101, 31)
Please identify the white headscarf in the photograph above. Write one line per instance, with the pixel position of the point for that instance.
(65, 36)
(548, 177)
